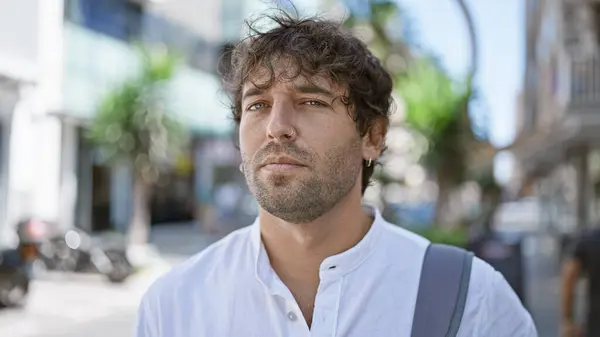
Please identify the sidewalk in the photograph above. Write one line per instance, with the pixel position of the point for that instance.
(64, 304)
(174, 243)
(544, 285)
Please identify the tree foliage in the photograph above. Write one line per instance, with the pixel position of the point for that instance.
(384, 22)
(435, 106)
(134, 122)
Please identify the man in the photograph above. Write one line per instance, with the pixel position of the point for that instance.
(585, 259)
(312, 105)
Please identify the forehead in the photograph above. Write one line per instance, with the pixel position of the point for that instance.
(285, 73)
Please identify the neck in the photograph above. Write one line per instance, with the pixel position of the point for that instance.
(298, 250)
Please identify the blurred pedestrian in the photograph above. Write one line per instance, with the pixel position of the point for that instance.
(312, 104)
(584, 260)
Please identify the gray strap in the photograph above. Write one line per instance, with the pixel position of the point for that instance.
(442, 292)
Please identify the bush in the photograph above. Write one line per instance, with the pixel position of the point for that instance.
(450, 236)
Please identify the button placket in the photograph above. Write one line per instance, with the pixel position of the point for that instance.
(325, 314)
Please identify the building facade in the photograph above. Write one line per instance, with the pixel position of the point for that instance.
(559, 123)
(58, 59)
(99, 52)
(29, 78)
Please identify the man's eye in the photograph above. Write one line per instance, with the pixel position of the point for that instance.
(314, 103)
(256, 106)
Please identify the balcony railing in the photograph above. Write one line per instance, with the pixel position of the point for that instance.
(585, 83)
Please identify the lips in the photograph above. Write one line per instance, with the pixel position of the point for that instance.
(282, 162)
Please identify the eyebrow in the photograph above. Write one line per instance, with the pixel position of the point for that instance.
(305, 89)
(313, 89)
(252, 92)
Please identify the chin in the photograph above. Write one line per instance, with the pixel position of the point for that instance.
(279, 180)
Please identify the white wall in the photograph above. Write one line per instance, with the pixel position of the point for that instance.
(19, 37)
(68, 175)
(51, 50)
(8, 100)
(47, 129)
(31, 36)
(25, 28)
(21, 162)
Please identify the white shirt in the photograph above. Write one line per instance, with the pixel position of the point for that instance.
(230, 289)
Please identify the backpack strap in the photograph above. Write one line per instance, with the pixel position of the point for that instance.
(443, 289)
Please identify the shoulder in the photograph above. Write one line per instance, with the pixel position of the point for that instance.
(582, 245)
(395, 234)
(492, 307)
(197, 275)
(588, 237)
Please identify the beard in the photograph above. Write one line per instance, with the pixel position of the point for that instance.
(304, 197)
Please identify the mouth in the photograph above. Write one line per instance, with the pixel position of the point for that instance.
(281, 164)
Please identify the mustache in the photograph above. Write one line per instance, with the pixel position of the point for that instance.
(289, 149)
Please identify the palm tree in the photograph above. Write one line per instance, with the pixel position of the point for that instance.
(437, 107)
(380, 18)
(133, 126)
(434, 107)
(376, 21)
(472, 39)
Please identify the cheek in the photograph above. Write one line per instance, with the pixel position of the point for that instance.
(329, 133)
(250, 138)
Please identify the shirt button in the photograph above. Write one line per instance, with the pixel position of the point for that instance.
(292, 316)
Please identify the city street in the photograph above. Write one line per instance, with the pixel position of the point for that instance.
(118, 324)
(71, 305)
(77, 305)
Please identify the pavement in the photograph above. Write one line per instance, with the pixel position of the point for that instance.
(543, 285)
(76, 305)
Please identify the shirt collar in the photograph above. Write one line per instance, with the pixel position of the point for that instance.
(333, 266)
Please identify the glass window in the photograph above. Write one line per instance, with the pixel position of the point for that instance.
(120, 19)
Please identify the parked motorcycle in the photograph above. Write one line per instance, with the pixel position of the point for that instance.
(16, 266)
(77, 251)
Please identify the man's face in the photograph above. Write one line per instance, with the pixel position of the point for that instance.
(300, 148)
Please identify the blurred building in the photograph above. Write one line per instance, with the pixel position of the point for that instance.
(28, 91)
(57, 60)
(559, 116)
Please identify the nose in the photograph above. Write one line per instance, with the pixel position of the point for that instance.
(281, 126)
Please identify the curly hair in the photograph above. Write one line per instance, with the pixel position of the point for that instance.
(316, 47)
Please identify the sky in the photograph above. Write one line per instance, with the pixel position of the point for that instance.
(441, 29)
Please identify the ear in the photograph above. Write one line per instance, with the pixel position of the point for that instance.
(374, 140)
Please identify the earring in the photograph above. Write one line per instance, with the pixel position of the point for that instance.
(369, 162)
(241, 168)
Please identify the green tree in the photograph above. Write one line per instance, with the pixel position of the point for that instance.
(436, 105)
(379, 23)
(383, 21)
(134, 126)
